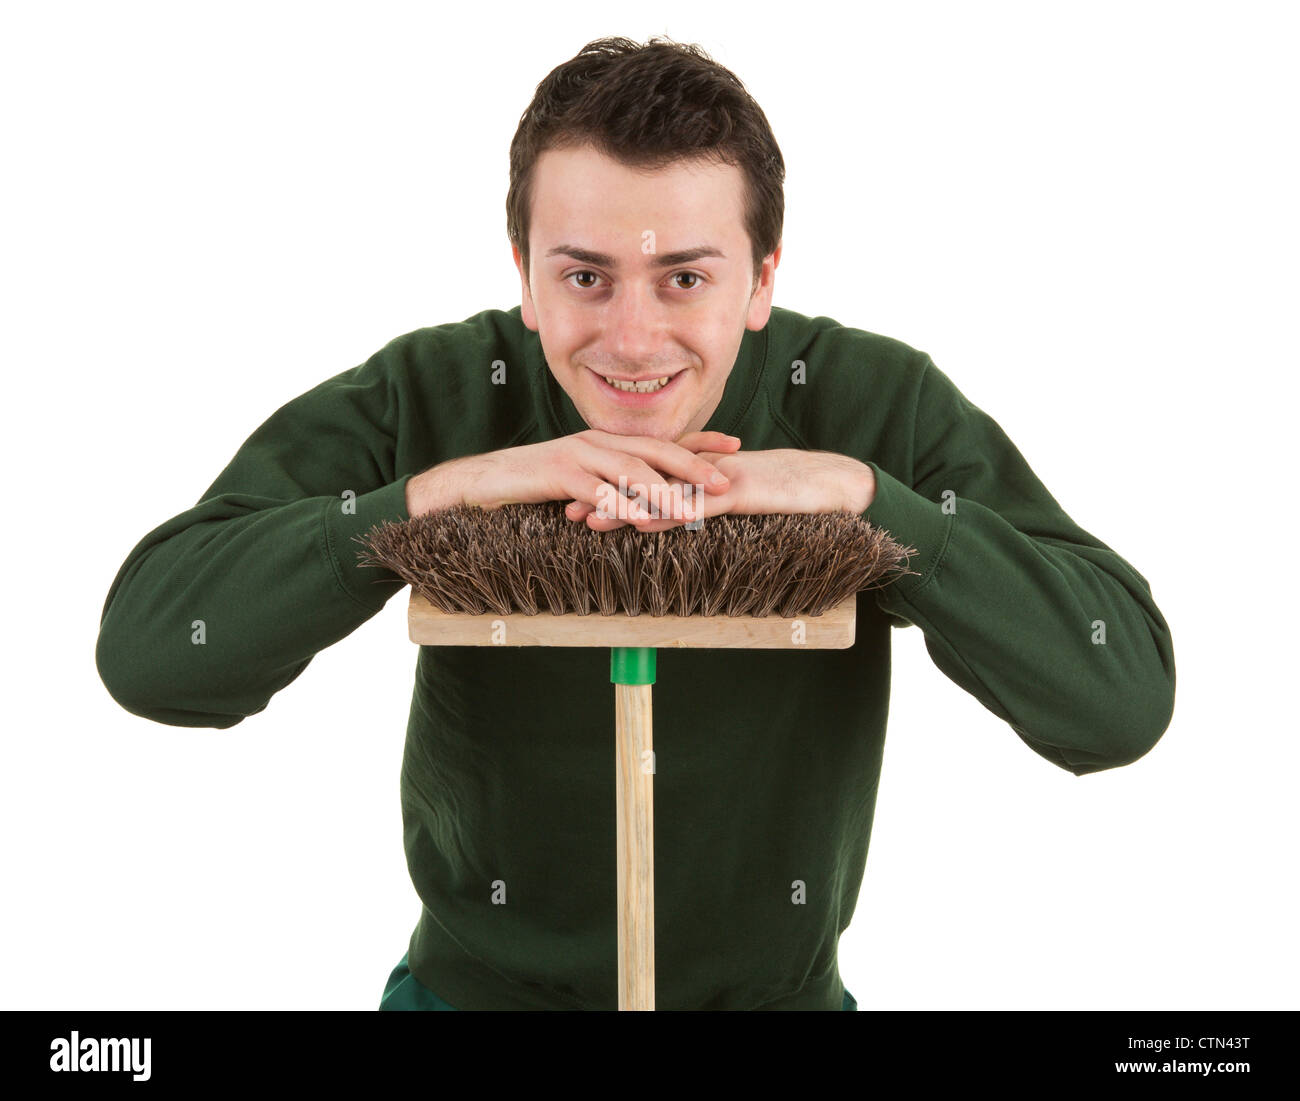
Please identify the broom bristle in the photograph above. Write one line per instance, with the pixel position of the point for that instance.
(531, 558)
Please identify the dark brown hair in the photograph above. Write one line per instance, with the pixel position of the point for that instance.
(649, 107)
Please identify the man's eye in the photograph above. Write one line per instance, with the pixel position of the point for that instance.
(592, 275)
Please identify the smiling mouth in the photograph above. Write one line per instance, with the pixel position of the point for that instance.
(644, 386)
(647, 386)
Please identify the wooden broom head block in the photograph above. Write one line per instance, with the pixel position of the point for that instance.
(526, 575)
(832, 630)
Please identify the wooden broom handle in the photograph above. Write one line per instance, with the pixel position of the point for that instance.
(634, 811)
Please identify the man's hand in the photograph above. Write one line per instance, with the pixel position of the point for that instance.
(775, 481)
(585, 467)
(669, 493)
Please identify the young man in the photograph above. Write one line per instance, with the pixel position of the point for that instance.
(645, 211)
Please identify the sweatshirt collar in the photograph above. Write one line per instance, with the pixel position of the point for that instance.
(561, 417)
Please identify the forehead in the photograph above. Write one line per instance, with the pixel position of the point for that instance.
(581, 190)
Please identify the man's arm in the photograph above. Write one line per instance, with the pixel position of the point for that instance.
(1044, 624)
(222, 606)
(219, 608)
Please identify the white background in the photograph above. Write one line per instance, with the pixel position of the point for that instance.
(1084, 212)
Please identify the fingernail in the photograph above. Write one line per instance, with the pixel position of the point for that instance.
(717, 479)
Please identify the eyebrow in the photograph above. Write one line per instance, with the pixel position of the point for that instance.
(661, 260)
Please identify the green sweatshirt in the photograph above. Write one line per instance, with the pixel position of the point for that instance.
(767, 761)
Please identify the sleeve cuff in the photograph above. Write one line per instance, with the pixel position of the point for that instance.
(913, 521)
(369, 585)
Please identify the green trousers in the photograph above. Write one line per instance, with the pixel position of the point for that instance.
(404, 991)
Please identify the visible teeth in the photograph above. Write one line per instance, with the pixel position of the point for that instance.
(647, 387)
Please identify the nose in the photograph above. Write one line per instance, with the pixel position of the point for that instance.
(634, 324)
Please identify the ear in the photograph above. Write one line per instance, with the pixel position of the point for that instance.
(526, 308)
(760, 301)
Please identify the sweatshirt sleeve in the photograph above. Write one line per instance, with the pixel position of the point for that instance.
(219, 608)
(1045, 625)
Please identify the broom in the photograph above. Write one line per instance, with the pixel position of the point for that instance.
(526, 575)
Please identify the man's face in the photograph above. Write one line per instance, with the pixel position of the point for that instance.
(609, 299)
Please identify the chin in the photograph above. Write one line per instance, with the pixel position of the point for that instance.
(659, 428)
(619, 418)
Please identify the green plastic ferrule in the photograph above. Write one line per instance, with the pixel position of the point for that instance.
(632, 665)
